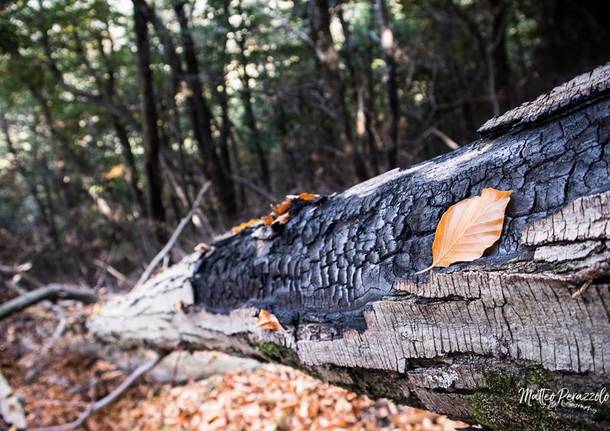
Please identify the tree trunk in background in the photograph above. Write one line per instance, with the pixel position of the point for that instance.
(173, 60)
(150, 133)
(499, 51)
(328, 61)
(130, 162)
(281, 125)
(357, 90)
(47, 217)
(246, 97)
(369, 100)
(108, 86)
(341, 277)
(223, 99)
(389, 50)
(201, 118)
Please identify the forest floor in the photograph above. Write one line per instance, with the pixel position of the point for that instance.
(58, 378)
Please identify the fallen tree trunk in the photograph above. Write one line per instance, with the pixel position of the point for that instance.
(340, 276)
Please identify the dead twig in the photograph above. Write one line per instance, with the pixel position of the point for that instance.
(105, 266)
(108, 399)
(582, 289)
(257, 189)
(33, 372)
(170, 243)
(50, 292)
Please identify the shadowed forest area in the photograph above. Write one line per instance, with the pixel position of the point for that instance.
(115, 113)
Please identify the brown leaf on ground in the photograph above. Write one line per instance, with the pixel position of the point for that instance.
(266, 320)
(271, 397)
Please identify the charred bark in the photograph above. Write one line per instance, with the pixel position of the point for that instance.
(340, 276)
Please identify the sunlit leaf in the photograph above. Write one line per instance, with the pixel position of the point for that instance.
(245, 225)
(469, 227)
(115, 172)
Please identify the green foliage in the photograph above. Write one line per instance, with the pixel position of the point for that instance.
(69, 74)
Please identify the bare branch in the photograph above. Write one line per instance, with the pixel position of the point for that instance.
(108, 399)
(51, 292)
(170, 243)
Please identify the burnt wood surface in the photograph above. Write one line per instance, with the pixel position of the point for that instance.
(462, 341)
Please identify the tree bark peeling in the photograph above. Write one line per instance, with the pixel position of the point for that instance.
(340, 276)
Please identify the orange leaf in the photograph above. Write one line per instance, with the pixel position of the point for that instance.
(245, 225)
(468, 228)
(268, 321)
(268, 219)
(282, 207)
(308, 196)
(283, 219)
(115, 172)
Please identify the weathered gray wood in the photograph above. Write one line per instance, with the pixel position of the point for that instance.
(340, 276)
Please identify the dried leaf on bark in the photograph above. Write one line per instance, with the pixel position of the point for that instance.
(202, 247)
(245, 225)
(279, 213)
(266, 320)
(308, 196)
(469, 227)
(268, 219)
(282, 207)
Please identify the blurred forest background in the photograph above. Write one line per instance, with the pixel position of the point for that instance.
(114, 113)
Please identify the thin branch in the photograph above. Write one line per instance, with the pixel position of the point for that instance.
(108, 399)
(257, 189)
(105, 266)
(170, 243)
(446, 139)
(51, 292)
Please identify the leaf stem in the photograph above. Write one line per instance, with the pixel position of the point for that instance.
(425, 270)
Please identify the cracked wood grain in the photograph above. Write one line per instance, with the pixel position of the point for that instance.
(340, 276)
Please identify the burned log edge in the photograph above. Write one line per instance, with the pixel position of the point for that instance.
(461, 341)
(585, 88)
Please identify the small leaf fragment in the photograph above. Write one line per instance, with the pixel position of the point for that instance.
(245, 225)
(202, 247)
(308, 196)
(282, 207)
(267, 220)
(283, 219)
(267, 321)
